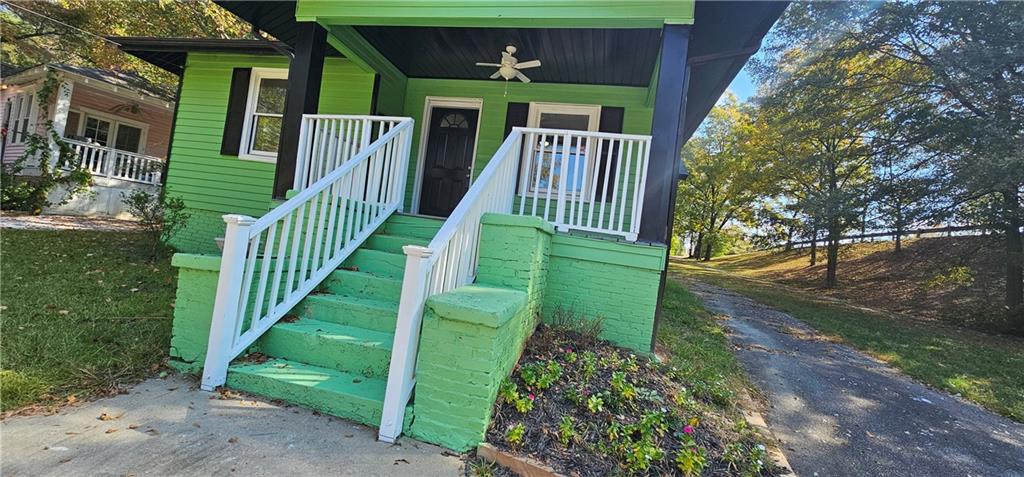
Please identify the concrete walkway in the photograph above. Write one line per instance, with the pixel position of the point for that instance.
(23, 221)
(839, 412)
(166, 427)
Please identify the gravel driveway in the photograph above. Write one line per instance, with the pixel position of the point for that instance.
(840, 412)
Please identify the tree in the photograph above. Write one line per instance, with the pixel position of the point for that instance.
(70, 31)
(724, 181)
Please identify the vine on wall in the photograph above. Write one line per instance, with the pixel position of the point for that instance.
(32, 193)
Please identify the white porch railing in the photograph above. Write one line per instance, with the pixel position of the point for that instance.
(105, 161)
(333, 141)
(575, 179)
(586, 181)
(271, 263)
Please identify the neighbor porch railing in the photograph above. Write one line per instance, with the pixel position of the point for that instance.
(577, 180)
(271, 263)
(105, 161)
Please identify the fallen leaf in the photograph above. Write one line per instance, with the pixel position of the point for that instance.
(152, 432)
(401, 460)
(233, 440)
(107, 417)
(63, 312)
(111, 430)
(196, 424)
(133, 426)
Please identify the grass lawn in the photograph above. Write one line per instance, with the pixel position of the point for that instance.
(83, 313)
(698, 347)
(987, 369)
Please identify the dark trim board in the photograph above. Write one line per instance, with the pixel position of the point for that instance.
(305, 73)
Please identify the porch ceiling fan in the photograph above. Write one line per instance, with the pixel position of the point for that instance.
(510, 66)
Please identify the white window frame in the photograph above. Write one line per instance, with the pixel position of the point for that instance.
(257, 75)
(593, 113)
(19, 115)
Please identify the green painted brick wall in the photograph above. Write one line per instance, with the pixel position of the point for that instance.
(462, 363)
(193, 310)
(614, 281)
(212, 184)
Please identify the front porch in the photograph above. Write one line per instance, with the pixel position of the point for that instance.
(407, 254)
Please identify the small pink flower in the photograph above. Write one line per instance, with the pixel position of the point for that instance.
(532, 397)
(568, 350)
(688, 429)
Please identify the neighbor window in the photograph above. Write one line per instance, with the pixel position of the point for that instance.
(551, 156)
(20, 120)
(264, 111)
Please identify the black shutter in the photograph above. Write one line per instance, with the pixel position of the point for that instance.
(515, 115)
(232, 139)
(611, 122)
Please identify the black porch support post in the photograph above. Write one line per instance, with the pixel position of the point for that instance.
(666, 131)
(304, 74)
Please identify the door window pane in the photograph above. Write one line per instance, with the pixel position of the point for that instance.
(128, 138)
(97, 129)
(574, 122)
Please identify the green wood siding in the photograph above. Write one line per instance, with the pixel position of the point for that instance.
(499, 13)
(636, 117)
(212, 184)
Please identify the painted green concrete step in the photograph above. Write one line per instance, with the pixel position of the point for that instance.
(393, 243)
(412, 226)
(375, 262)
(330, 345)
(363, 312)
(362, 284)
(346, 395)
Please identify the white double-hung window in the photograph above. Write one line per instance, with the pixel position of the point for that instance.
(20, 117)
(552, 156)
(264, 111)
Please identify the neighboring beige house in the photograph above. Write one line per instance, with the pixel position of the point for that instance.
(119, 124)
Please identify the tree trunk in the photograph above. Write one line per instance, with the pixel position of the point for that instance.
(833, 258)
(707, 250)
(814, 248)
(695, 252)
(1014, 263)
(899, 242)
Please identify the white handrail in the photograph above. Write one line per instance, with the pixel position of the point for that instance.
(271, 263)
(448, 262)
(104, 161)
(587, 181)
(333, 141)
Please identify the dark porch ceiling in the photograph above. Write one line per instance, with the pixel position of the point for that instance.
(725, 34)
(622, 57)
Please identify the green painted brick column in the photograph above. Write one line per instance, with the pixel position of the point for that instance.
(514, 254)
(470, 339)
(193, 309)
(474, 335)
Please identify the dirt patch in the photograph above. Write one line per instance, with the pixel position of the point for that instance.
(585, 407)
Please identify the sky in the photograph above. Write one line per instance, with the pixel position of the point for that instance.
(743, 85)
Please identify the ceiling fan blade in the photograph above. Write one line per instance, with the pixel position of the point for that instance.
(496, 75)
(527, 64)
(522, 77)
(492, 65)
(505, 56)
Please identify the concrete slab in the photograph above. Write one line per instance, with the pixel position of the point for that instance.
(167, 427)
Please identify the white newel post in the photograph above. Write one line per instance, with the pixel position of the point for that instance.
(60, 117)
(224, 323)
(401, 373)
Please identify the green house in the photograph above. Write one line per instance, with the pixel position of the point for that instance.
(388, 196)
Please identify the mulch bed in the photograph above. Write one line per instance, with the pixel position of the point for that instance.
(586, 408)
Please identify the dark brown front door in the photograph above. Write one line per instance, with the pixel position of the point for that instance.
(449, 158)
